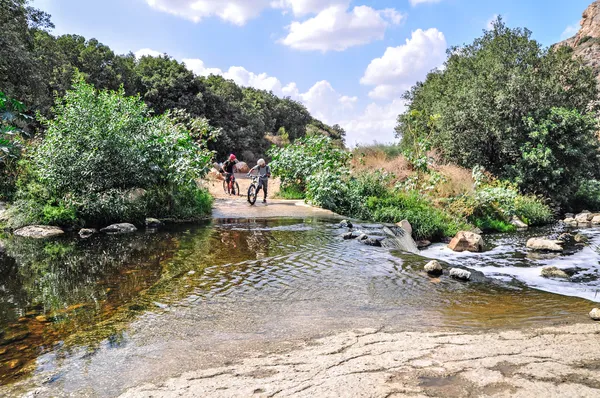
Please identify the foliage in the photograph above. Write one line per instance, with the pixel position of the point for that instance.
(485, 94)
(391, 151)
(291, 192)
(427, 221)
(587, 196)
(533, 211)
(307, 156)
(11, 142)
(107, 158)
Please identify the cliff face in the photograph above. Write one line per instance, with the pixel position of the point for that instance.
(586, 43)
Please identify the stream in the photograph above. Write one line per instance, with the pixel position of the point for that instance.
(95, 317)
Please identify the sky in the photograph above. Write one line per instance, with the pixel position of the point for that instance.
(348, 61)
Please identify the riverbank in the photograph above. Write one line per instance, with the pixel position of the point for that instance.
(556, 361)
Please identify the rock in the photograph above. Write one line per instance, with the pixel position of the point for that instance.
(371, 242)
(433, 267)
(520, 225)
(596, 220)
(87, 232)
(422, 244)
(579, 238)
(345, 224)
(153, 223)
(584, 224)
(543, 244)
(584, 217)
(553, 272)
(242, 167)
(39, 232)
(569, 215)
(595, 314)
(362, 237)
(571, 222)
(122, 228)
(349, 235)
(477, 231)
(405, 225)
(467, 241)
(460, 274)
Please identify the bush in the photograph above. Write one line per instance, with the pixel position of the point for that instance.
(105, 159)
(533, 211)
(427, 221)
(587, 196)
(11, 143)
(292, 192)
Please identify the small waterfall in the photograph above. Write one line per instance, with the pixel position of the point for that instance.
(399, 239)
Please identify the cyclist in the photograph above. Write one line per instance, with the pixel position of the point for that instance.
(228, 167)
(264, 172)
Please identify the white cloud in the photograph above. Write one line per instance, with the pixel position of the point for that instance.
(304, 7)
(570, 31)
(417, 2)
(147, 52)
(337, 28)
(401, 67)
(490, 22)
(375, 123)
(235, 11)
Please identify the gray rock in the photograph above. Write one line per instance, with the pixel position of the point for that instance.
(520, 225)
(349, 236)
(371, 242)
(579, 238)
(87, 232)
(553, 272)
(362, 237)
(153, 223)
(595, 314)
(566, 237)
(39, 232)
(122, 228)
(405, 225)
(460, 274)
(543, 244)
(422, 244)
(569, 215)
(467, 241)
(345, 224)
(434, 267)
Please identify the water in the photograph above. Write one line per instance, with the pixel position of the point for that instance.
(94, 317)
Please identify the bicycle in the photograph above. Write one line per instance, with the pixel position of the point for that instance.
(233, 187)
(253, 190)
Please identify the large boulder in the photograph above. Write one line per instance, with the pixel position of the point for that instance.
(122, 228)
(39, 231)
(570, 221)
(434, 268)
(543, 244)
(467, 241)
(596, 220)
(595, 314)
(242, 167)
(460, 274)
(553, 272)
(584, 217)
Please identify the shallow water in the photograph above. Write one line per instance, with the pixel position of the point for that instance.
(94, 317)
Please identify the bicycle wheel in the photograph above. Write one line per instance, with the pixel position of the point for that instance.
(235, 189)
(225, 187)
(252, 194)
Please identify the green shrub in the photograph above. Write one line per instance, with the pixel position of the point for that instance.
(489, 224)
(533, 211)
(103, 154)
(292, 192)
(587, 196)
(428, 222)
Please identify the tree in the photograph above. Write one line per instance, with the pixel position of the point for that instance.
(486, 92)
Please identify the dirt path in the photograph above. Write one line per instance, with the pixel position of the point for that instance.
(550, 362)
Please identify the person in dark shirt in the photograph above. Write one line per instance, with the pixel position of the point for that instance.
(228, 168)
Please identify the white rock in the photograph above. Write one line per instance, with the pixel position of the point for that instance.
(461, 274)
(595, 314)
(39, 231)
(433, 267)
(122, 228)
(543, 244)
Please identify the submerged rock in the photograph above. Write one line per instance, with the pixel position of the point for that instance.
(422, 244)
(122, 228)
(39, 231)
(87, 232)
(434, 268)
(595, 314)
(349, 236)
(460, 274)
(520, 225)
(153, 223)
(579, 238)
(345, 224)
(543, 244)
(371, 242)
(467, 241)
(553, 272)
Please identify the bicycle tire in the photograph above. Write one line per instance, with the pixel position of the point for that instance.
(252, 194)
(225, 187)
(236, 189)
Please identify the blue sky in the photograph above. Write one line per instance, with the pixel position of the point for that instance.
(348, 61)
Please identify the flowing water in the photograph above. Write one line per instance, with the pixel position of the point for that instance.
(95, 317)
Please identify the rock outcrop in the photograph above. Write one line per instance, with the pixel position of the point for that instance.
(586, 43)
(467, 241)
